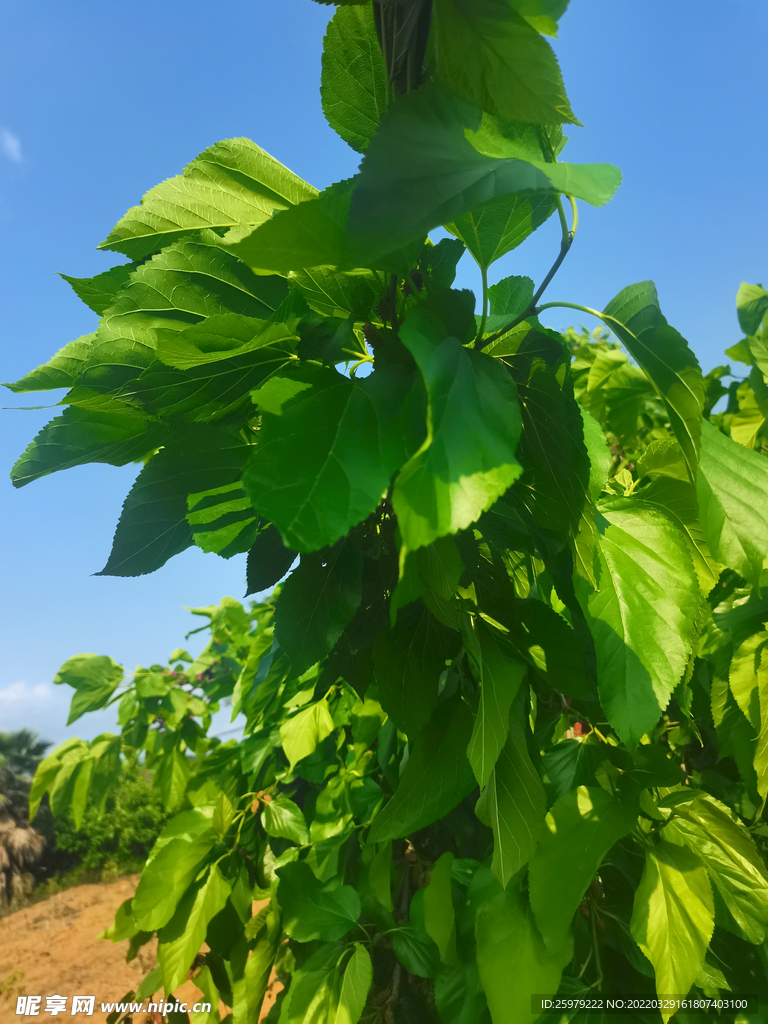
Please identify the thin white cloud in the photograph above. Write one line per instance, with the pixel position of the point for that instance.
(22, 693)
(10, 146)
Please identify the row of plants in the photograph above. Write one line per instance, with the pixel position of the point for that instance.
(505, 726)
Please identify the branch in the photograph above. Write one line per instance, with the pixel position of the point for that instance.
(530, 309)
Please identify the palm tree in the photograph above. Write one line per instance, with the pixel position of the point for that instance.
(21, 751)
(20, 845)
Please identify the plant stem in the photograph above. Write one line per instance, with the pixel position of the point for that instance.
(565, 244)
(484, 317)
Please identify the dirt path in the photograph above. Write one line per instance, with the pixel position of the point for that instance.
(52, 948)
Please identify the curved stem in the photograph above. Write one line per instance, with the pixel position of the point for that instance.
(484, 317)
(565, 244)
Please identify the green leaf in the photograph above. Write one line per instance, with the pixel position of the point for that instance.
(513, 962)
(186, 282)
(180, 940)
(335, 294)
(282, 818)
(436, 777)
(501, 674)
(600, 458)
(416, 952)
(642, 616)
(315, 987)
(93, 677)
(210, 391)
(313, 909)
(312, 234)
(735, 866)
(317, 602)
(439, 918)
(497, 227)
(222, 520)
(543, 15)
(153, 526)
(552, 451)
(408, 661)
(427, 136)
(358, 977)
(301, 734)
(495, 59)
(673, 917)
(580, 830)
(173, 864)
(232, 182)
(468, 459)
(98, 293)
(571, 763)
(677, 500)
(327, 449)
(61, 371)
(513, 802)
(268, 561)
(748, 680)
(172, 776)
(114, 434)
(732, 488)
(663, 353)
(751, 306)
(353, 85)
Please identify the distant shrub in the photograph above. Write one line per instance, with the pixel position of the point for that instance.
(115, 843)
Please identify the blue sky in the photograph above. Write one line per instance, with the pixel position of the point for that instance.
(98, 102)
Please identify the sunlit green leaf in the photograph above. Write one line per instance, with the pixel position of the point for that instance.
(642, 615)
(673, 917)
(232, 182)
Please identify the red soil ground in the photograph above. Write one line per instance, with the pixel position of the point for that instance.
(51, 948)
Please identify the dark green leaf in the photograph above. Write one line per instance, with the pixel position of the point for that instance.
(317, 602)
(153, 526)
(495, 59)
(435, 779)
(408, 661)
(268, 561)
(313, 909)
(751, 306)
(416, 952)
(353, 86)
(422, 139)
(327, 449)
(222, 520)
